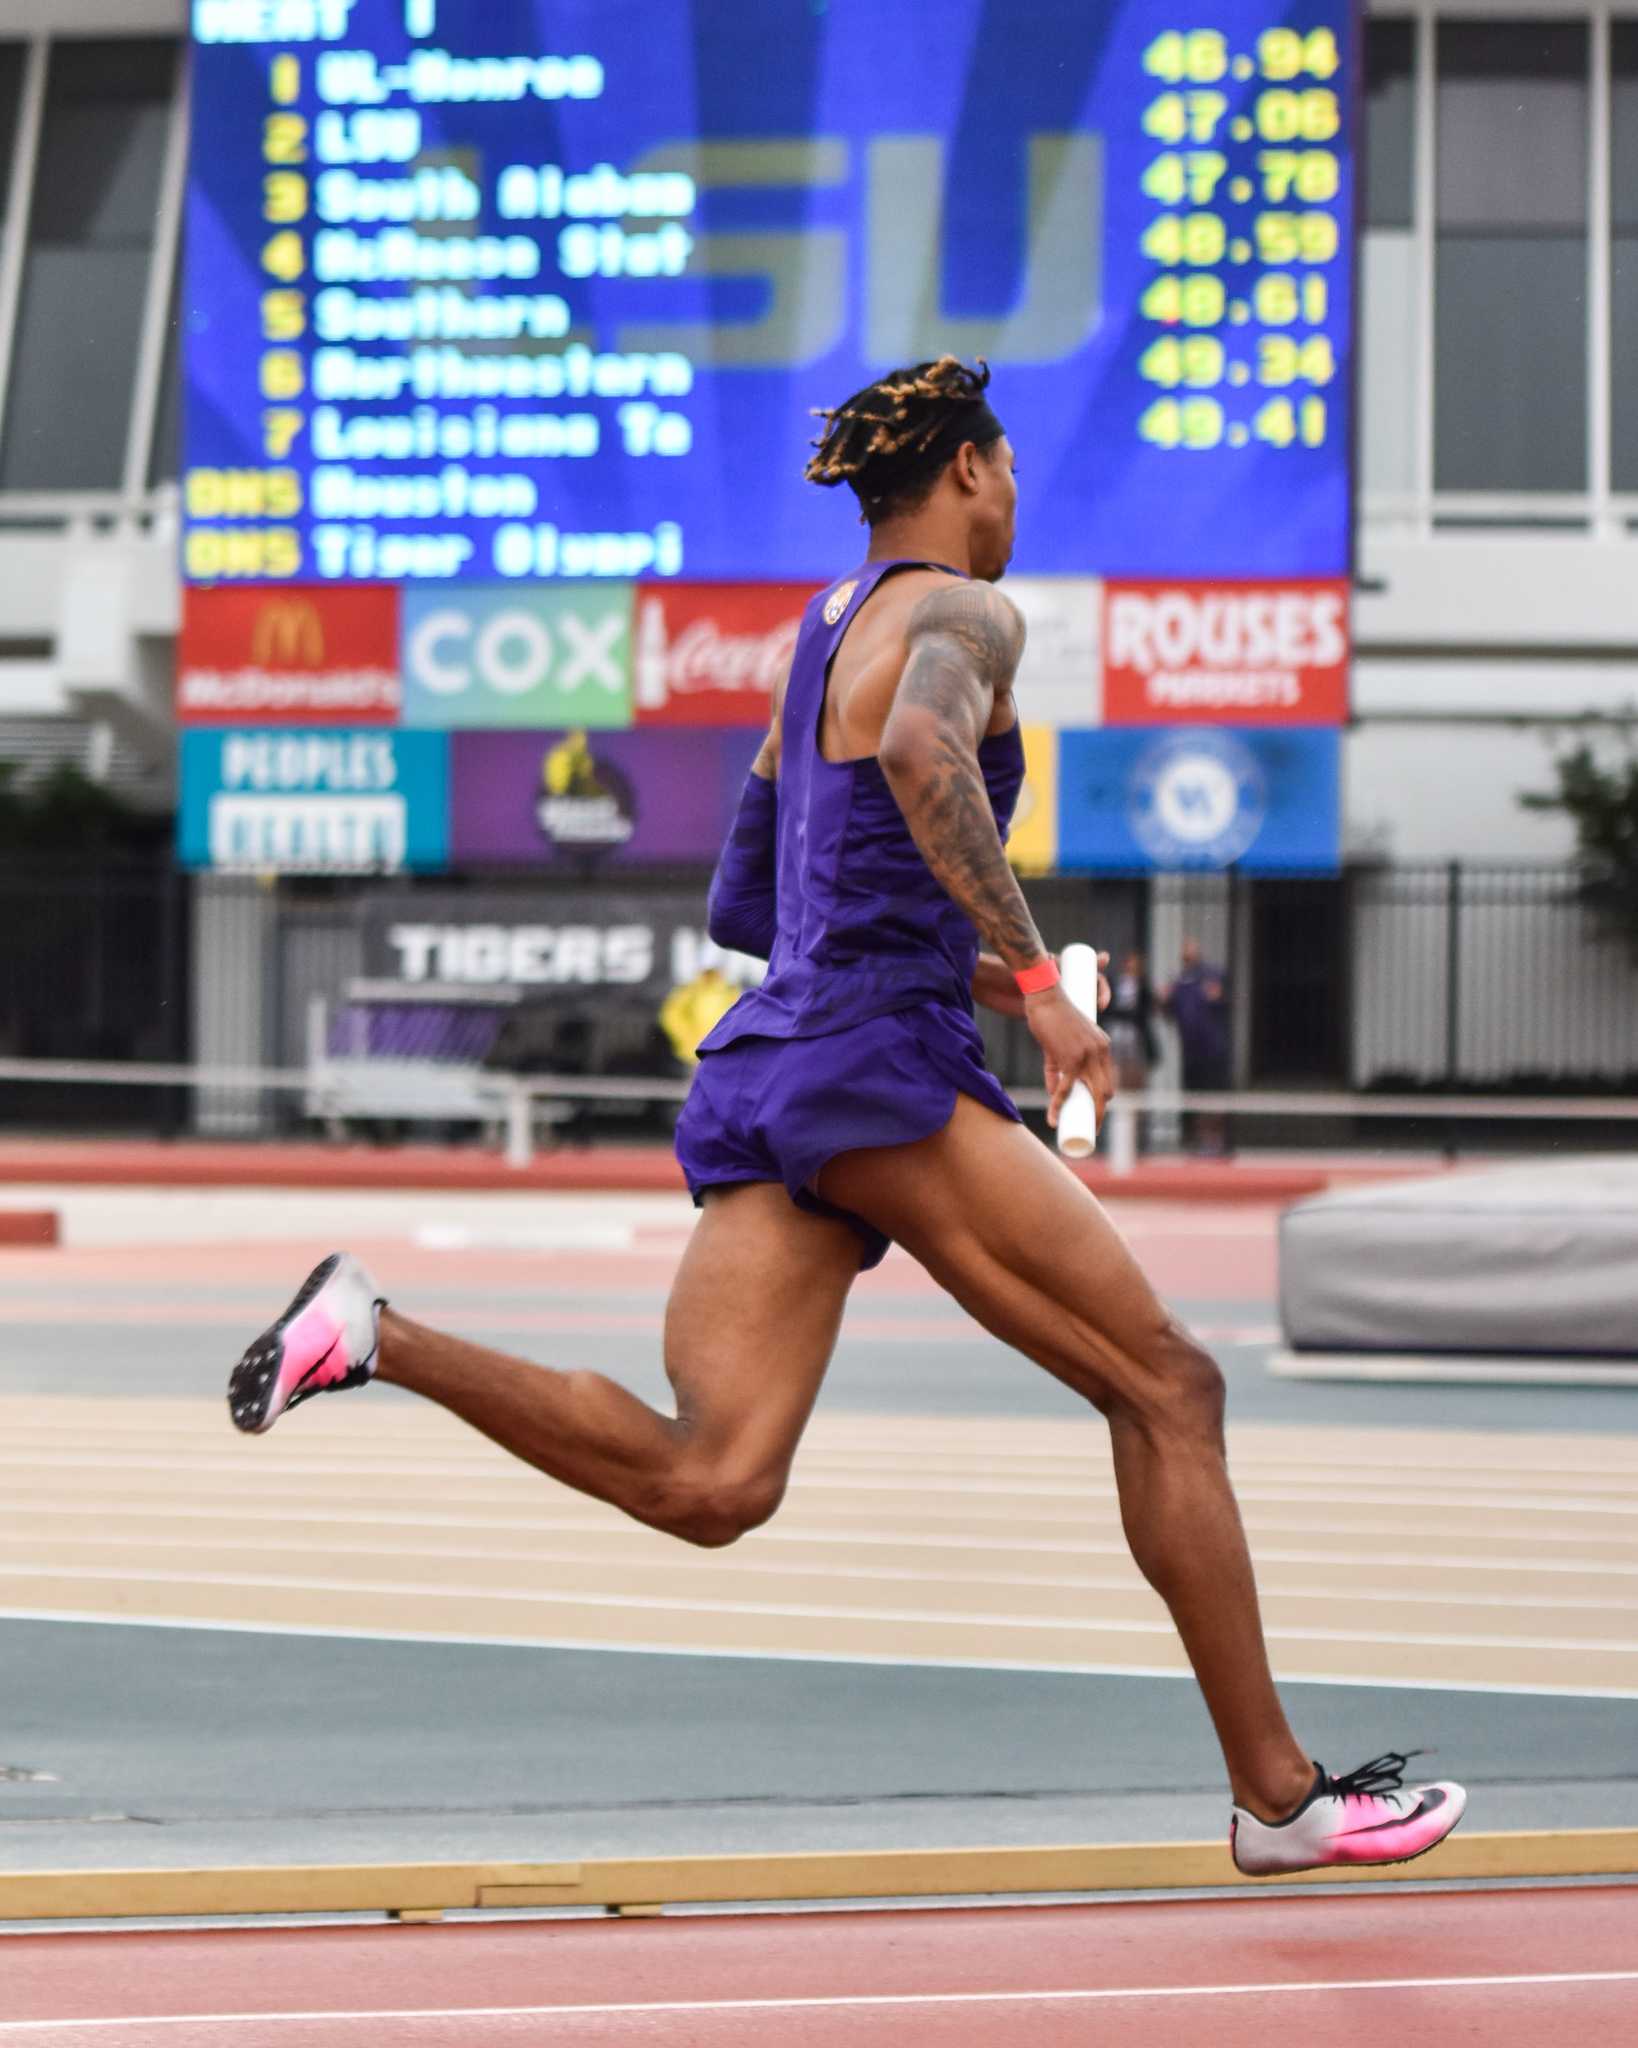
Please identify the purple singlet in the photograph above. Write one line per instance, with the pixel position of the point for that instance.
(863, 1032)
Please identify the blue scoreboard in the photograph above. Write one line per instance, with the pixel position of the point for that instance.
(480, 290)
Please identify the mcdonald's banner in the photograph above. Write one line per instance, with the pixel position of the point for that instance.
(291, 655)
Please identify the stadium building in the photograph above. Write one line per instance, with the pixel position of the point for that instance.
(1494, 593)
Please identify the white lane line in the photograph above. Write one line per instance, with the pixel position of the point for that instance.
(410, 1589)
(938, 1526)
(591, 1530)
(1292, 1493)
(1030, 1668)
(749, 1569)
(855, 2002)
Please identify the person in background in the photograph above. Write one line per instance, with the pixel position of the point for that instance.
(694, 1008)
(1197, 1003)
(1130, 1023)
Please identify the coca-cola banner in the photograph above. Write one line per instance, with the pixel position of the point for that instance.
(572, 799)
(713, 653)
(1226, 653)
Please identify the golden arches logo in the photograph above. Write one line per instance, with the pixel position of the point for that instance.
(288, 633)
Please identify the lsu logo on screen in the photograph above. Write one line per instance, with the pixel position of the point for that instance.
(500, 656)
(714, 653)
(293, 654)
(1226, 653)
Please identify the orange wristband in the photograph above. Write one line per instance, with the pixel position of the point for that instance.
(1033, 980)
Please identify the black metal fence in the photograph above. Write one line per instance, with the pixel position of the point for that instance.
(1447, 978)
(94, 965)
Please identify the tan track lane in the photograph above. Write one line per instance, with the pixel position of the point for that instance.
(1461, 1558)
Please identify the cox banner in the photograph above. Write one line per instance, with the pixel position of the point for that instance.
(1226, 653)
(542, 798)
(331, 801)
(531, 655)
(714, 653)
(294, 654)
(1199, 797)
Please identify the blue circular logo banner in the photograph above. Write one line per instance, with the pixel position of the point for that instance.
(1196, 798)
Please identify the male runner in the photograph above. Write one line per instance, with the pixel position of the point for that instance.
(845, 1104)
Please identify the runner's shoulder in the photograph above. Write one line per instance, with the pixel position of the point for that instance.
(981, 619)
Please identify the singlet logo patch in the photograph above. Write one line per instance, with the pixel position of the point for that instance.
(838, 601)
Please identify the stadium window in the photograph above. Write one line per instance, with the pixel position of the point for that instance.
(1510, 277)
(90, 240)
(1389, 275)
(1624, 255)
(1390, 121)
(165, 456)
(12, 56)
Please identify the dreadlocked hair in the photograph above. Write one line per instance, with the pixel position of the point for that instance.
(881, 440)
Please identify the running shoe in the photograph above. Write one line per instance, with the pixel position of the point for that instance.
(1365, 1816)
(325, 1340)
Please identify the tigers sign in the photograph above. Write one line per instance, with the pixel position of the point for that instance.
(291, 655)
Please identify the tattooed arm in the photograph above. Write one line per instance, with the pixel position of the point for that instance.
(965, 642)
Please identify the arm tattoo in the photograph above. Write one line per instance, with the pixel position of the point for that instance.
(964, 647)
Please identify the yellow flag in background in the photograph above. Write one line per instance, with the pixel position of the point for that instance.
(1033, 846)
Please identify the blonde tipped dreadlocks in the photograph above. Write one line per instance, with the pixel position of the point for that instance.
(890, 440)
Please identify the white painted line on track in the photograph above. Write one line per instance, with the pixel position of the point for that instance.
(749, 1568)
(577, 1645)
(1292, 1494)
(796, 1610)
(592, 1530)
(854, 2002)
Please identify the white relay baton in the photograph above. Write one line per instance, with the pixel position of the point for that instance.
(1078, 1119)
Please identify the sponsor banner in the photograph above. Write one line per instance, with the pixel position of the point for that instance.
(565, 798)
(713, 653)
(1060, 681)
(1226, 653)
(1032, 845)
(533, 656)
(322, 802)
(615, 941)
(297, 654)
(1174, 797)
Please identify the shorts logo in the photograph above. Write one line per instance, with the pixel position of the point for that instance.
(838, 601)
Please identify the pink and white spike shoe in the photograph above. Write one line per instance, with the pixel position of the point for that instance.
(1365, 1816)
(325, 1340)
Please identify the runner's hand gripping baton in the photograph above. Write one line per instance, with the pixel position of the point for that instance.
(1078, 1119)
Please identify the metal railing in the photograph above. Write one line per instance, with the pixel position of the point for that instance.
(515, 1097)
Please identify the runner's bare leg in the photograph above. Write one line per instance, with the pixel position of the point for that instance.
(749, 1330)
(1023, 1246)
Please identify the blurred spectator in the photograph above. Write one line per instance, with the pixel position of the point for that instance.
(1130, 1022)
(693, 1007)
(1197, 1003)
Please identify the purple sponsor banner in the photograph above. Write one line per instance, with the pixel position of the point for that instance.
(554, 799)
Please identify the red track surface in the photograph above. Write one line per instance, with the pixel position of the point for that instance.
(622, 1168)
(1423, 1970)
